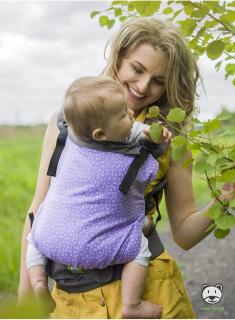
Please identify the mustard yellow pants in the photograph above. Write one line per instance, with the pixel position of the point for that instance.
(164, 286)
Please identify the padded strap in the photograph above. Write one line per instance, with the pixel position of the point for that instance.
(147, 147)
(60, 143)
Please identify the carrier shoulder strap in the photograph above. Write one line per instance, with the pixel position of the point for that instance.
(60, 143)
(146, 148)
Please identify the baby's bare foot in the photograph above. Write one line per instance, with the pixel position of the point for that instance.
(143, 310)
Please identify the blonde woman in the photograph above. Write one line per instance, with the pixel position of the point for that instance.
(151, 60)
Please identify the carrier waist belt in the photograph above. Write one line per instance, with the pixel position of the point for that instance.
(82, 281)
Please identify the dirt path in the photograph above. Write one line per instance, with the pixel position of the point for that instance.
(211, 262)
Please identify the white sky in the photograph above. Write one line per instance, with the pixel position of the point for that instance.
(44, 46)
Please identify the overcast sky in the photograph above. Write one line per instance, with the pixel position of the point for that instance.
(44, 46)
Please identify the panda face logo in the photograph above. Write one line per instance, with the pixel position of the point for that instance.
(212, 294)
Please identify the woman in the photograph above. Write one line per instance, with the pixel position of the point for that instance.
(151, 60)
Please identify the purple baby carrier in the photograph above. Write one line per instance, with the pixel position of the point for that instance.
(85, 220)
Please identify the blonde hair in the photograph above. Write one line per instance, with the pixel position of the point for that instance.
(182, 73)
(89, 102)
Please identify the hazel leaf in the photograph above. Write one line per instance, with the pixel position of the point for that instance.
(176, 115)
(155, 132)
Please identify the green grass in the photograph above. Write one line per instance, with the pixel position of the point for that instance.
(20, 149)
(19, 159)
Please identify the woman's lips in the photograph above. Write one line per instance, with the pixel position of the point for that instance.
(133, 94)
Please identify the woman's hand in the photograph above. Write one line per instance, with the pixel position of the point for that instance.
(166, 135)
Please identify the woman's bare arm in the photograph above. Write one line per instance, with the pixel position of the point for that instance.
(187, 223)
(40, 193)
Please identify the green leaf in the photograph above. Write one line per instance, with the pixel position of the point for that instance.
(220, 234)
(188, 7)
(177, 153)
(110, 23)
(233, 82)
(215, 49)
(217, 8)
(227, 176)
(213, 212)
(123, 19)
(200, 13)
(229, 16)
(155, 132)
(230, 70)
(188, 26)
(94, 13)
(194, 133)
(117, 12)
(154, 112)
(225, 222)
(179, 141)
(167, 10)
(194, 146)
(103, 21)
(201, 164)
(146, 8)
(212, 125)
(178, 147)
(210, 23)
(176, 115)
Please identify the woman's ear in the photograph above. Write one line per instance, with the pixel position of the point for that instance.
(99, 135)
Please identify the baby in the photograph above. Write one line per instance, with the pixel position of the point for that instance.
(85, 221)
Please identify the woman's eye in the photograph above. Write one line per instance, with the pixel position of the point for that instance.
(159, 82)
(136, 70)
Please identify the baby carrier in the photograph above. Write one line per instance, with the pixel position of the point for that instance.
(76, 279)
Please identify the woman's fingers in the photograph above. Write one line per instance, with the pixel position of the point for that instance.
(167, 135)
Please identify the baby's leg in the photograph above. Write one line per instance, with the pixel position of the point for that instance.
(36, 267)
(133, 282)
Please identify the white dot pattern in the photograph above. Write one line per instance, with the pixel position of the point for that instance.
(85, 220)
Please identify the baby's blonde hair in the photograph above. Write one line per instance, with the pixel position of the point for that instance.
(89, 103)
(182, 73)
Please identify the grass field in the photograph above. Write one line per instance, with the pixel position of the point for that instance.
(20, 149)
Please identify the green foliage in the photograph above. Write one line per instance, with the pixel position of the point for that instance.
(208, 25)
(213, 154)
(19, 160)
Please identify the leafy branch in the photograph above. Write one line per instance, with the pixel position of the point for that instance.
(211, 159)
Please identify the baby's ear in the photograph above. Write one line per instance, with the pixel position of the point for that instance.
(99, 135)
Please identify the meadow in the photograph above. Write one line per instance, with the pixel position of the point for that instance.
(20, 149)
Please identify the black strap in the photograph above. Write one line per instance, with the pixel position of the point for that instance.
(31, 219)
(147, 147)
(60, 143)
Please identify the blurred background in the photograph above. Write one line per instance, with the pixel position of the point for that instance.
(44, 46)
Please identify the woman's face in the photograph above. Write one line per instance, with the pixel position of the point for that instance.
(142, 75)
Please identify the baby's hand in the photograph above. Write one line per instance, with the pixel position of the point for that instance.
(166, 136)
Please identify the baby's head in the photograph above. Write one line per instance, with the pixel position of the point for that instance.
(96, 109)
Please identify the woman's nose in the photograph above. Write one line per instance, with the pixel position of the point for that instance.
(143, 84)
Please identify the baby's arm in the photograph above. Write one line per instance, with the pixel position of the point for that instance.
(140, 131)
